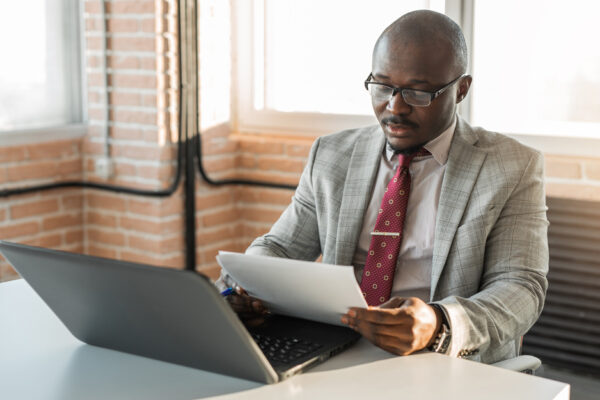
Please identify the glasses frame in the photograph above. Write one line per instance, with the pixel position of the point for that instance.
(401, 90)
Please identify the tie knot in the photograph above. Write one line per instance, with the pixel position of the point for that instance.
(405, 159)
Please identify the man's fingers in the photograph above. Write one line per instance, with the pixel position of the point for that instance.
(385, 316)
(392, 340)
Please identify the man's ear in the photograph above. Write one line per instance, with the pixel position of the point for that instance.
(463, 88)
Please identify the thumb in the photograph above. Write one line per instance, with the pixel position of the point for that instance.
(394, 302)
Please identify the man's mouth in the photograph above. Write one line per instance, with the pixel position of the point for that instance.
(399, 129)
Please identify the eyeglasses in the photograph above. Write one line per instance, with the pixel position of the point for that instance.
(413, 97)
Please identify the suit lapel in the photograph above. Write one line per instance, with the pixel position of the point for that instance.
(464, 163)
(358, 187)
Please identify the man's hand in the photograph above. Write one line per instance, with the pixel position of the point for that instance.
(251, 311)
(400, 325)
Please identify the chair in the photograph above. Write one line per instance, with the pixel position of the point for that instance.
(522, 363)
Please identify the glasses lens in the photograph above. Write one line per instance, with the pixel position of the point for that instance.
(380, 92)
(416, 97)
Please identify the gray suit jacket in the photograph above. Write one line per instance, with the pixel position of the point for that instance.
(490, 255)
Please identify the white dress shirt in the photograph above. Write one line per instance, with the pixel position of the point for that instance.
(413, 271)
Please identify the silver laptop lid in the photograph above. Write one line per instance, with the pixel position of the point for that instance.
(170, 315)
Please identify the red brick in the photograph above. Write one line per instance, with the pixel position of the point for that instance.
(124, 99)
(100, 219)
(93, 24)
(50, 241)
(133, 81)
(92, 7)
(575, 190)
(138, 117)
(148, 25)
(220, 217)
(2, 215)
(13, 153)
(75, 236)
(23, 210)
(263, 147)
(122, 133)
(149, 63)
(7, 273)
(246, 161)
(143, 152)
(72, 202)
(105, 237)
(122, 25)
(11, 231)
(93, 43)
(124, 169)
(107, 202)
(259, 214)
(149, 100)
(120, 43)
(90, 147)
(212, 200)
(100, 251)
(176, 262)
(559, 167)
(62, 221)
(123, 62)
(206, 237)
(140, 225)
(143, 258)
(51, 150)
(34, 170)
(131, 7)
(95, 79)
(280, 164)
(592, 169)
(66, 168)
(219, 164)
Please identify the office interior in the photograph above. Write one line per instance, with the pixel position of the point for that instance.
(132, 130)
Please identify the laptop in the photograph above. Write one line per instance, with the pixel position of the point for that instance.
(171, 315)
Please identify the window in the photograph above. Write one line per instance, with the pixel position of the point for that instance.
(301, 64)
(40, 70)
(536, 67)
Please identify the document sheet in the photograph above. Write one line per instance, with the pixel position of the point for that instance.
(304, 289)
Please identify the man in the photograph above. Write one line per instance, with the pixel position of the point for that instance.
(460, 266)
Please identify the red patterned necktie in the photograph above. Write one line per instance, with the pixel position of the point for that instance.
(378, 274)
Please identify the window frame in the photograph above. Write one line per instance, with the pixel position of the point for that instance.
(245, 119)
(77, 93)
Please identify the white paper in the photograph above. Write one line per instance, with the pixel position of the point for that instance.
(304, 289)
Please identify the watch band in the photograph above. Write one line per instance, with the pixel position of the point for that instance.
(442, 340)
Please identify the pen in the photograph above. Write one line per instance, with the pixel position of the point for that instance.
(227, 292)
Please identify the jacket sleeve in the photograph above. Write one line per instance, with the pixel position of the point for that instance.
(513, 282)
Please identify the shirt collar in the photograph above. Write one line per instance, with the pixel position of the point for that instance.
(438, 147)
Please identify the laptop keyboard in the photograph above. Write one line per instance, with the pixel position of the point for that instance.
(284, 349)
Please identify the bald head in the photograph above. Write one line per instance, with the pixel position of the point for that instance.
(426, 28)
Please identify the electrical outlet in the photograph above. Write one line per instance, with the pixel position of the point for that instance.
(104, 167)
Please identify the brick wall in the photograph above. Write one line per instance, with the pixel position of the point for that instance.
(49, 219)
(573, 177)
(142, 127)
(142, 81)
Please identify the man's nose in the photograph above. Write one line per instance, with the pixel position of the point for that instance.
(397, 105)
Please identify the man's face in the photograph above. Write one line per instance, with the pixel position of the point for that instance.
(426, 67)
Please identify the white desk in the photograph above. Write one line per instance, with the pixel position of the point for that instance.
(39, 359)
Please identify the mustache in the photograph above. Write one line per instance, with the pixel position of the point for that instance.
(398, 121)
